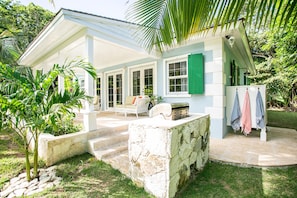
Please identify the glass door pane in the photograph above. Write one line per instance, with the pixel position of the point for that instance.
(119, 89)
(110, 91)
(148, 82)
(136, 83)
(98, 92)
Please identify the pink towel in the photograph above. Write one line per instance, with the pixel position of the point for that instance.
(246, 120)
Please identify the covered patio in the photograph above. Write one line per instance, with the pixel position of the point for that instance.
(235, 148)
(105, 43)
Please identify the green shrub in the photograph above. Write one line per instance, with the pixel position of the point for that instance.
(65, 125)
(283, 119)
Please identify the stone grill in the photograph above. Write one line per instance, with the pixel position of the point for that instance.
(179, 110)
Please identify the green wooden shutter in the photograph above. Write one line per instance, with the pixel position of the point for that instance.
(196, 74)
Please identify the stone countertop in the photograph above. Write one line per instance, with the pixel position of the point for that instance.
(160, 122)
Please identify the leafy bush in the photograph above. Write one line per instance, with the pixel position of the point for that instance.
(65, 125)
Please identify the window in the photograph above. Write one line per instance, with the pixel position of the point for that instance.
(185, 75)
(177, 77)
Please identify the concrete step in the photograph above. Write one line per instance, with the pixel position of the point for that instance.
(108, 140)
(113, 150)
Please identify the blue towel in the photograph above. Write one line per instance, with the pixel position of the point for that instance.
(259, 111)
(236, 114)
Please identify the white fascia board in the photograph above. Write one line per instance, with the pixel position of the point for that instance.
(247, 47)
(61, 46)
(111, 30)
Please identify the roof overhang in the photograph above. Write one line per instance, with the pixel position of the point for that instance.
(240, 48)
(65, 38)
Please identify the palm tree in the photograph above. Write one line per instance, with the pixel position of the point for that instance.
(30, 103)
(165, 22)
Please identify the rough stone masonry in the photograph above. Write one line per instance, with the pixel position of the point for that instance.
(164, 153)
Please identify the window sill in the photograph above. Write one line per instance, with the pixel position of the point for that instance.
(186, 95)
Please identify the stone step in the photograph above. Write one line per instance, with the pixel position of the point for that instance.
(113, 150)
(108, 140)
(104, 131)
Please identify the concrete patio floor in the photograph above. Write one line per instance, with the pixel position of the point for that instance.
(280, 149)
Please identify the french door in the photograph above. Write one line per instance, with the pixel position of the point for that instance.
(114, 89)
(142, 81)
(97, 99)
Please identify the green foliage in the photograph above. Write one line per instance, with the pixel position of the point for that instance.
(19, 25)
(164, 23)
(275, 56)
(24, 22)
(64, 125)
(283, 119)
(32, 103)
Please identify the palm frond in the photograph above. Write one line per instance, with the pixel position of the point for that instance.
(163, 23)
(149, 14)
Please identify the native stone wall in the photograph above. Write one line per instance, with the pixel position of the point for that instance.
(163, 153)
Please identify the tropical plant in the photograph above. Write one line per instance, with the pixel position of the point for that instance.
(164, 23)
(9, 51)
(275, 58)
(30, 103)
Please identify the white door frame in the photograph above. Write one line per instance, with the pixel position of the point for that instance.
(141, 68)
(113, 73)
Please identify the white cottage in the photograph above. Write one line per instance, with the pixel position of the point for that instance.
(196, 71)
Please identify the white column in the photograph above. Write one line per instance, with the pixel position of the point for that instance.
(61, 84)
(89, 114)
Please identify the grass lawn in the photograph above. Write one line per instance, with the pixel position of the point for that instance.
(283, 119)
(84, 176)
(222, 180)
(11, 157)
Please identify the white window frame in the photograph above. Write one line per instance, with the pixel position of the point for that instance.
(166, 63)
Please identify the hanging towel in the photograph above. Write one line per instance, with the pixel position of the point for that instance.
(259, 111)
(246, 121)
(236, 114)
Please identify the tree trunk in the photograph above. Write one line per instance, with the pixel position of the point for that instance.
(35, 165)
(28, 167)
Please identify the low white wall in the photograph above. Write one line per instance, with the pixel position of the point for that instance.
(53, 149)
(162, 153)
